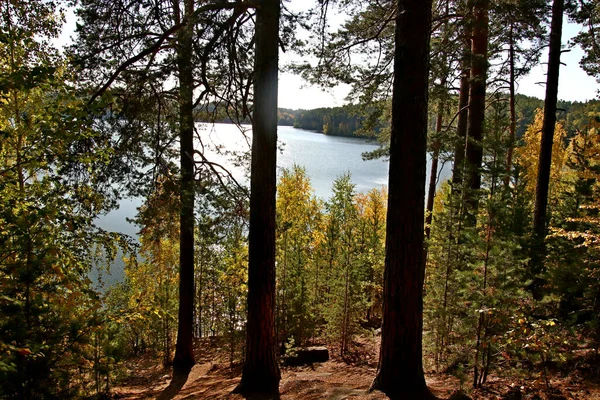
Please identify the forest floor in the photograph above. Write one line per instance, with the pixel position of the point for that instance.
(214, 378)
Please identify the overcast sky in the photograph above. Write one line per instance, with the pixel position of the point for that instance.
(574, 85)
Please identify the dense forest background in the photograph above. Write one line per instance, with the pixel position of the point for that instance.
(270, 269)
(348, 120)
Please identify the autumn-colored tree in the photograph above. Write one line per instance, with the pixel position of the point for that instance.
(527, 158)
(298, 212)
(153, 276)
(372, 208)
(574, 235)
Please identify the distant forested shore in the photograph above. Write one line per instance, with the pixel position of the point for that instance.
(355, 121)
(333, 121)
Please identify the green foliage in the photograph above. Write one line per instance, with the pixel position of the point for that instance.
(539, 343)
(50, 195)
(345, 299)
(335, 121)
(370, 232)
(145, 305)
(475, 273)
(586, 13)
(60, 160)
(479, 314)
(299, 215)
(330, 261)
(574, 236)
(153, 278)
(222, 264)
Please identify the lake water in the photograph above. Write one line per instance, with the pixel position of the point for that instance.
(324, 157)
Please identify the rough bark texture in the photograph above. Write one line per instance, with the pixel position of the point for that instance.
(479, 62)
(261, 372)
(184, 352)
(400, 371)
(541, 191)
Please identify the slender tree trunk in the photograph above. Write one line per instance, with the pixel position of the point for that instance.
(345, 328)
(283, 318)
(538, 250)
(435, 146)
(488, 353)
(476, 118)
(400, 371)
(261, 372)
(482, 322)
(16, 108)
(184, 349)
(456, 205)
(513, 114)
(433, 171)
(167, 328)
(315, 299)
(461, 126)
(199, 295)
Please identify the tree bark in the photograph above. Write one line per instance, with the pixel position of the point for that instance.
(513, 114)
(476, 118)
(538, 250)
(461, 126)
(435, 159)
(400, 371)
(436, 144)
(184, 349)
(261, 372)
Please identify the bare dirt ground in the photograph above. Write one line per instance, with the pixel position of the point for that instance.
(213, 378)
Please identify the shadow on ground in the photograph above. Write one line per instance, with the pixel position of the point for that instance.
(178, 381)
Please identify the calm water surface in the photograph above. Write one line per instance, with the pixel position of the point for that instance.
(324, 157)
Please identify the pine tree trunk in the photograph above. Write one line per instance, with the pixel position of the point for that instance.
(513, 114)
(199, 295)
(481, 340)
(261, 372)
(536, 265)
(461, 126)
(346, 320)
(433, 171)
(315, 305)
(479, 61)
(184, 351)
(400, 371)
(283, 318)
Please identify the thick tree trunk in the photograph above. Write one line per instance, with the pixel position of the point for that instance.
(261, 372)
(538, 250)
(184, 351)
(479, 61)
(400, 371)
